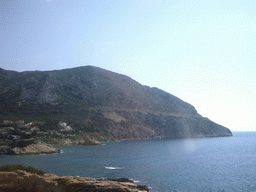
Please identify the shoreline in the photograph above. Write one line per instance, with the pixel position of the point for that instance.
(21, 180)
(46, 148)
(33, 149)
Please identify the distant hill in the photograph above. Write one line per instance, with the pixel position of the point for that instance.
(96, 100)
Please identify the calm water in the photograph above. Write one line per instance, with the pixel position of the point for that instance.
(206, 164)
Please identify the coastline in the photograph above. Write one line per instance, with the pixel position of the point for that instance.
(46, 148)
(25, 181)
(33, 149)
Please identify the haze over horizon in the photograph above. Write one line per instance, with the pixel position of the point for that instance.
(200, 51)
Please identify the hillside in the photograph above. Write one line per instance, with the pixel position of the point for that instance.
(94, 100)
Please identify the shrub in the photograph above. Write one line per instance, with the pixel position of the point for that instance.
(21, 143)
(10, 168)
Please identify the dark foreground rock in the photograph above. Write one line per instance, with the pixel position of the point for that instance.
(30, 182)
(32, 149)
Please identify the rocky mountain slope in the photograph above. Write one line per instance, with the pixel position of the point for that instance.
(92, 99)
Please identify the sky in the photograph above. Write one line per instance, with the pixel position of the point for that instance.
(203, 52)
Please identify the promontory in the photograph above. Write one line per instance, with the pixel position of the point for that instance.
(92, 104)
(28, 179)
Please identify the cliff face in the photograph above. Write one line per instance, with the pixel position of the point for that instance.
(28, 182)
(108, 103)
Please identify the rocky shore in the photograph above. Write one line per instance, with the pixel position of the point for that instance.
(54, 141)
(32, 149)
(28, 182)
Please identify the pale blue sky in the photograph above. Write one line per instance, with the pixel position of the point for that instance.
(202, 51)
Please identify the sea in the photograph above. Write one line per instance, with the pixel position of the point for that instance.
(197, 164)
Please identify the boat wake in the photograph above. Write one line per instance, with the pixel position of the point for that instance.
(114, 167)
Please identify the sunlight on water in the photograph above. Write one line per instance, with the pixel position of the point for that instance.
(189, 145)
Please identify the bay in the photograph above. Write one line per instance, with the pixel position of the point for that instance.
(196, 164)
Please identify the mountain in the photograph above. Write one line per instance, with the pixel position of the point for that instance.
(95, 100)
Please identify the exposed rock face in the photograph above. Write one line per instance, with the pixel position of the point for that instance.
(108, 103)
(29, 182)
(140, 125)
(91, 86)
(32, 149)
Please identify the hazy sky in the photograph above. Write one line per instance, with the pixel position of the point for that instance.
(202, 51)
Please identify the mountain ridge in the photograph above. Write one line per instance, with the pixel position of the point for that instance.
(149, 112)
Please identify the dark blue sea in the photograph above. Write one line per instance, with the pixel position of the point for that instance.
(203, 164)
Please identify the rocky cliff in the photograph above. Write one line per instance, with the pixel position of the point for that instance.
(30, 182)
(32, 149)
(98, 101)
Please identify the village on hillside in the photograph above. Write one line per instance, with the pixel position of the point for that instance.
(11, 131)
